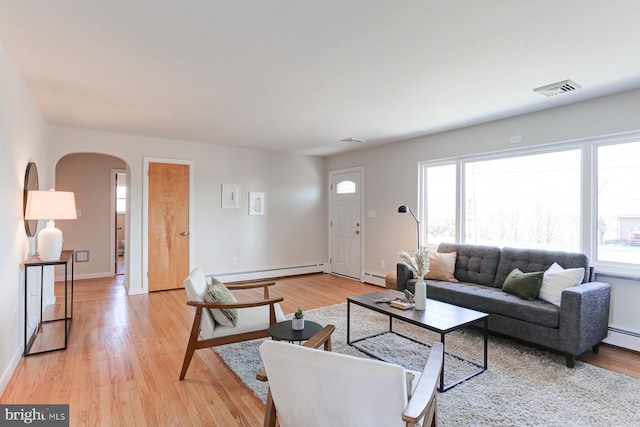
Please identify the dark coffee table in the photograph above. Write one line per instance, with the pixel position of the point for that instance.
(282, 331)
(439, 317)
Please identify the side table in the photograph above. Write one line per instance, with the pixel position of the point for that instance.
(65, 258)
(282, 331)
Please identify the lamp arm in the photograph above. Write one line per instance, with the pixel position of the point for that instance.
(417, 226)
(414, 217)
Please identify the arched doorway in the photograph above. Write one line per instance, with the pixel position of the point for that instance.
(94, 235)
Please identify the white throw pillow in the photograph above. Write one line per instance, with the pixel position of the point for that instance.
(556, 279)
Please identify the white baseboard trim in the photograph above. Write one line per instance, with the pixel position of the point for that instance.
(8, 372)
(624, 339)
(373, 279)
(269, 273)
(77, 276)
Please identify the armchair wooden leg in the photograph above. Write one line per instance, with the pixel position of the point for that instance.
(187, 360)
(270, 412)
(191, 346)
(596, 348)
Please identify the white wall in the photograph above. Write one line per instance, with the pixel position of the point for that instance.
(391, 171)
(23, 135)
(293, 233)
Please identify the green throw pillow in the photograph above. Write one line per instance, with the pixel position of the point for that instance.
(523, 285)
(218, 292)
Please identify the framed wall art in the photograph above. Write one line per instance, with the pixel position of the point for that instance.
(257, 203)
(230, 196)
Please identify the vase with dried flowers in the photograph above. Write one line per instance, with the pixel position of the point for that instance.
(418, 263)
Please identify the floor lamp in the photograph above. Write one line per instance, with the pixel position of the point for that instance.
(50, 205)
(405, 209)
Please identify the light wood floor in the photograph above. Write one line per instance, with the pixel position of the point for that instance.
(125, 354)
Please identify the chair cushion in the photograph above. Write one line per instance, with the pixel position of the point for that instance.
(196, 286)
(345, 390)
(219, 293)
(249, 320)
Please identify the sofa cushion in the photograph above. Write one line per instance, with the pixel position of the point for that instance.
(556, 279)
(528, 260)
(474, 263)
(523, 285)
(442, 266)
(491, 300)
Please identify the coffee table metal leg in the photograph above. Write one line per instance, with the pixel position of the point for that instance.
(486, 336)
(348, 321)
(481, 369)
(442, 369)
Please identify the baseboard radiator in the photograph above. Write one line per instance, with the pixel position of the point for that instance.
(373, 279)
(622, 338)
(270, 273)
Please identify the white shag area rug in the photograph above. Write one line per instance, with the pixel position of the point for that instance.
(523, 386)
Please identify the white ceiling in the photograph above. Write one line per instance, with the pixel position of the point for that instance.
(300, 75)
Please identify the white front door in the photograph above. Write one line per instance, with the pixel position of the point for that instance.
(345, 224)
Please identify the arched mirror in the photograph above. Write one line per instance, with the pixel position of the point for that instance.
(30, 184)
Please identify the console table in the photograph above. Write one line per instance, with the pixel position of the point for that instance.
(39, 332)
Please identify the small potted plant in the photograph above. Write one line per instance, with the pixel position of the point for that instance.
(297, 323)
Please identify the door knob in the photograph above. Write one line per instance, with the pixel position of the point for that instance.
(184, 233)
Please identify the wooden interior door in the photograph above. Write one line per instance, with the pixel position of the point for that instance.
(168, 219)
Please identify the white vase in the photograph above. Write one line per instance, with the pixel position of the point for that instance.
(421, 295)
(297, 324)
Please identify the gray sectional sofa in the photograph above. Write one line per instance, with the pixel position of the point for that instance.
(579, 323)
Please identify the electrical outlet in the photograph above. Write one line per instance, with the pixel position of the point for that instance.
(382, 264)
(234, 260)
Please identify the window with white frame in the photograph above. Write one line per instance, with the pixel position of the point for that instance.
(121, 193)
(618, 205)
(440, 184)
(346, 187)
(534, 198)
(529, 200)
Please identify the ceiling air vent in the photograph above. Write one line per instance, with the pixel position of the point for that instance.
(558, 88)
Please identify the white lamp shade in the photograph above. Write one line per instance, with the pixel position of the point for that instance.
(50, 205)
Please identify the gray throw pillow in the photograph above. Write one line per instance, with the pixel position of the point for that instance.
(218, 292)
(523, 285)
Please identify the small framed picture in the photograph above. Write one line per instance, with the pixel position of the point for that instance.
(230, 196)
(257, 203)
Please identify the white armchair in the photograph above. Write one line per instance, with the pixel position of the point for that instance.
(254, 317)
(309, 387)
